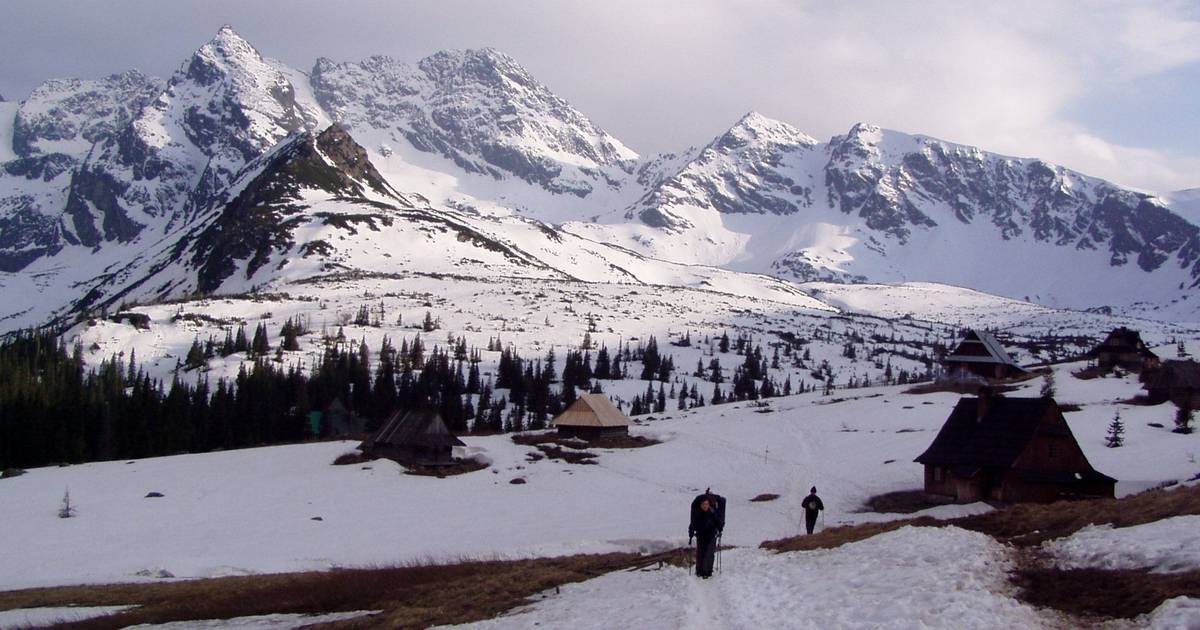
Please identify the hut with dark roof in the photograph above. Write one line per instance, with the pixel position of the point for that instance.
(1125, 349)
(1174, 381)
(591, 417)
(981, 355)
(417, 437)
(1011, 450)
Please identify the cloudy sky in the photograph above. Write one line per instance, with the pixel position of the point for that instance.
(1109, 88)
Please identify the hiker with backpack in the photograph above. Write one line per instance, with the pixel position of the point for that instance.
(812, 507)
(707, 523)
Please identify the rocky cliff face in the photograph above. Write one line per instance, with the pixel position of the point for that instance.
(481, 110)
(882, 205)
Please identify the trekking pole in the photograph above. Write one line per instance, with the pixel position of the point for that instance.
(718, 554)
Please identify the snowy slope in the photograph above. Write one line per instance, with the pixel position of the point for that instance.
(251, 510)
(883, 206)
(892, 580)
(8, 114)
(1171, 545)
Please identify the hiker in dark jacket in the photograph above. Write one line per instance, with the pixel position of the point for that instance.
(812, 506)
(705, 527)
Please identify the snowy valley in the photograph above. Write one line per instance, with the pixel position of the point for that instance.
(452, 233)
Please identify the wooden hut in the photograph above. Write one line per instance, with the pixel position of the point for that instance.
(341, 422)
(981, 355)
(416, 437)
(1174, 381)
(591, 417)
(1011, 450)
(1125, 349)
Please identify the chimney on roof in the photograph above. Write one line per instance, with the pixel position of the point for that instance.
(983, 404)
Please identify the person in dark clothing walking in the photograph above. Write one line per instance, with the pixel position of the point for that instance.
(706, 526)
(812, 506)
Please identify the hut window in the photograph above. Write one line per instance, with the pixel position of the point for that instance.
(937, 473)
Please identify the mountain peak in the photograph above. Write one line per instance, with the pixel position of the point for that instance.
(224, 52)
(485, 65)
(753, 127)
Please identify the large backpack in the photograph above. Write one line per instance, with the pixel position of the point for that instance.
(717, 501)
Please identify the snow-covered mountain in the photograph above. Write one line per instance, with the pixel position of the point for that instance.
(217, 180)
(883, 206)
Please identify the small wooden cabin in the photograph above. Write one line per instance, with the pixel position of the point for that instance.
(417, 437)
(591, 417)
(1125, 349)
(980, 354)
(1174, 381)
(1011, 450)
(341, 422)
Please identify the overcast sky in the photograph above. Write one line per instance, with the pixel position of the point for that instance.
(1108, 88)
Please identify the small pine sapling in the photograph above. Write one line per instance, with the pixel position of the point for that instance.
(1116, 432)
(66, 510)
(1048, 388)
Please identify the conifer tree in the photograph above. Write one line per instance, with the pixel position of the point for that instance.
(1116, 432)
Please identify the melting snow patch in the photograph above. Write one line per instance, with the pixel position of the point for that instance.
(1180, 613)
(258, 622)
(1171, 545)
(52, 616)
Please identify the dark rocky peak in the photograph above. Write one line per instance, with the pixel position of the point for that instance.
(273, 197)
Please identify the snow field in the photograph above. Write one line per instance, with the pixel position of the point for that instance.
(909, 578)
(252, 511)
(1171, 545)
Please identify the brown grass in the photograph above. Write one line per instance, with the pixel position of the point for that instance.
(459, 467)
(963, 387)
(1125, 594)
(613, 441)
(571, 457)
(903, 502)
(1026, 524)
(410, 597)
(766, 496)
(838, 536)
(351, 457)
(1031, 524)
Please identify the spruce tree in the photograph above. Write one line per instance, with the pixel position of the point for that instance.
(1116, 432)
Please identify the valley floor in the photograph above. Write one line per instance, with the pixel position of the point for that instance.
(286, 508)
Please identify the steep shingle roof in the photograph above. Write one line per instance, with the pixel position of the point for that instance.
(419, 427)
(996, 440)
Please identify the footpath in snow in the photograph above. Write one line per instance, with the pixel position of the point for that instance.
(914, 577)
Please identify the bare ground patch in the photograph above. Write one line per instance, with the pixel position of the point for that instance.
(410, 597)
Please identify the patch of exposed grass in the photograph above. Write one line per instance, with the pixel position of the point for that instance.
(459, 467)
(410, 597)
(838, 536)
(1124, 594)
(903, 502)
(766, 496)
(351, 457)
(1030, 524)
(570, 456)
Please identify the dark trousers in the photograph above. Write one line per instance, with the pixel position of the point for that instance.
(706, 549)
(810, 520)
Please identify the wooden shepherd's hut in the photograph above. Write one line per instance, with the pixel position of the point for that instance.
(1174, 381)
(981, 355)
(1011, 450)
(591, 417)
(1125, 349)
(416, 437)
